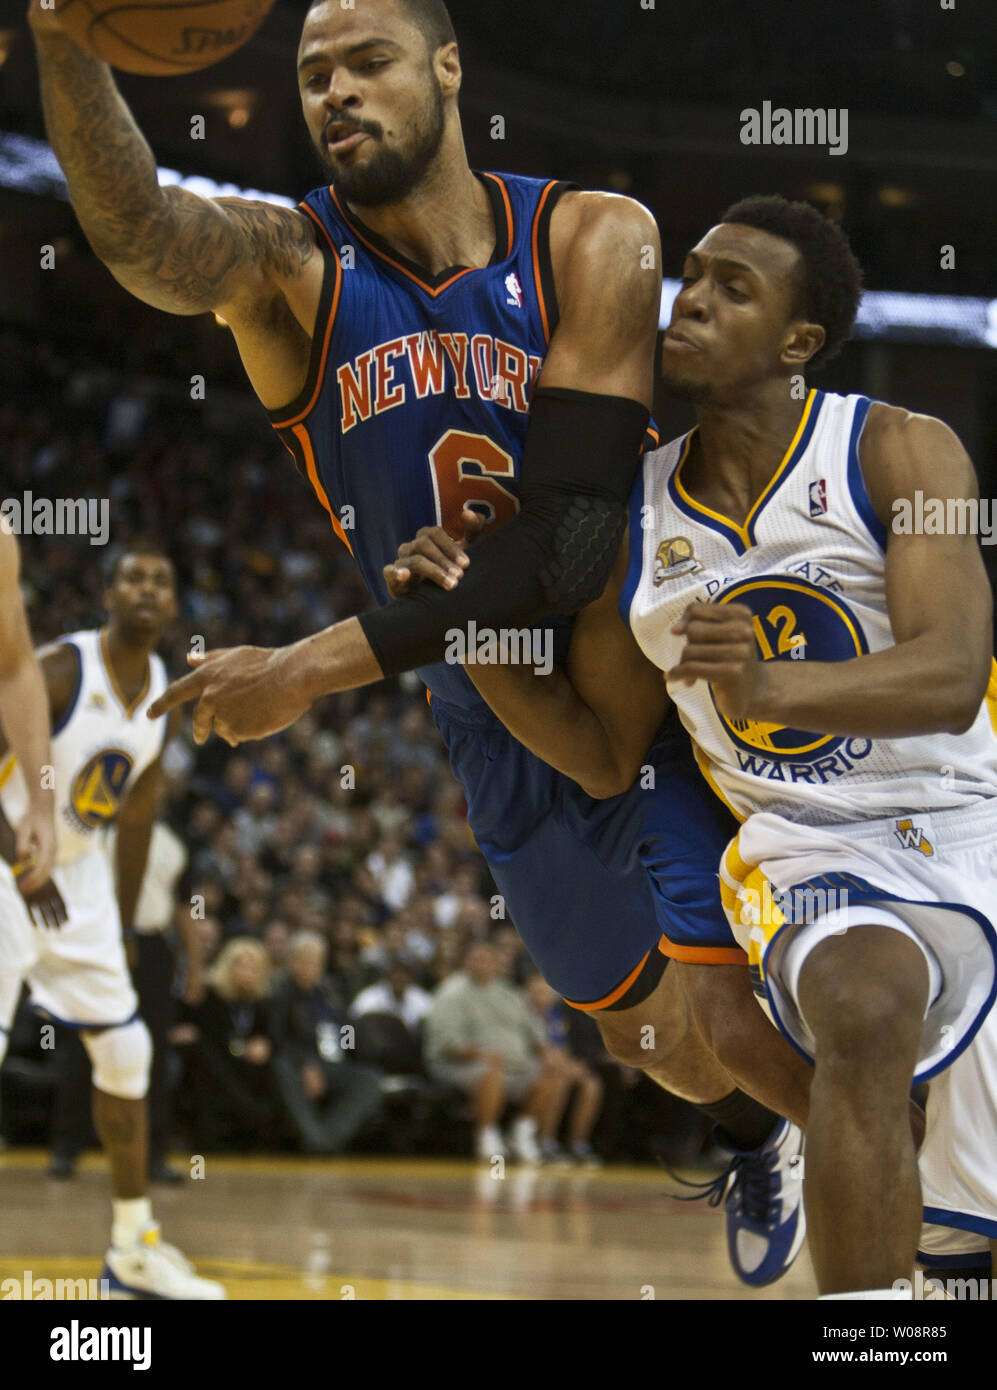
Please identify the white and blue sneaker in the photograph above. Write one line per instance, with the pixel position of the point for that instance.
(762, 1193)
(151, 1269)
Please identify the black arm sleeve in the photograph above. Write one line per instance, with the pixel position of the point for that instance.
(581, 458)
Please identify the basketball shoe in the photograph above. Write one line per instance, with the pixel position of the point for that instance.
(151, 1269)
(762, 1193)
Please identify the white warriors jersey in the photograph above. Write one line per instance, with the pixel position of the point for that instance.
(809, 561)
(100, 748)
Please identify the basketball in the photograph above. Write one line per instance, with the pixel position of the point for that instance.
(159, 39)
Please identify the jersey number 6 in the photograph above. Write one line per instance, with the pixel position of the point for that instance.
(465, 469)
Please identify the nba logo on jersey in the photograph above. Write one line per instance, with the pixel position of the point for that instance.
(515, 290)
(818, 497)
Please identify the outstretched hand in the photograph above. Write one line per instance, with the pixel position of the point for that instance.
(242, 693)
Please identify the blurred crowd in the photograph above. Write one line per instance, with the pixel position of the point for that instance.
(339, 968)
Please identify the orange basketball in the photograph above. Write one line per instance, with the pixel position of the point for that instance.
(158, 38)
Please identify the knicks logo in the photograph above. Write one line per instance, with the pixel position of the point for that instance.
(674, 557)
(912, 836)
(98, 786)
(793, 621)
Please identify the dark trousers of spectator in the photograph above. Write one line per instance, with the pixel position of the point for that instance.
(232, 1101)
(72, 1128)
(326, 1125)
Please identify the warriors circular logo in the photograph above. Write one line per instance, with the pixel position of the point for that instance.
(98, 785)
(793, 621)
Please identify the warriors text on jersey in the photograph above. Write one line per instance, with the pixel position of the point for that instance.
(99, 750)
(417, 400)
(809, 562)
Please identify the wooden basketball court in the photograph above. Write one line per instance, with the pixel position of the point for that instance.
(370, 1228)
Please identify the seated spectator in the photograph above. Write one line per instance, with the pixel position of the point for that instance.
(226, 1048)
(328, 1096)
(277, 940)
(391, 872)
(446, 962)
(462, 890)
(254, 822)
(482, 1037)
(347, 968)
(581, 1083)
(515, 965)
(209, 931)
(396, 994)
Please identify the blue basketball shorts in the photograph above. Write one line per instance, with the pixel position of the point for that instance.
(602, 893)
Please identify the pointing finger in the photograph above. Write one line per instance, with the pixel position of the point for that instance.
(178, 693)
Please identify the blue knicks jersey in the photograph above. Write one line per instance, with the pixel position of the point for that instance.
(418, 394)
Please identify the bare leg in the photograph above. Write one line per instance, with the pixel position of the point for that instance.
(659, 1037)
(488, 1096)
(546, 1098)
(586, 1104)
(550, 1122)
(123, 1128)
(734, 1028)
(863, 995)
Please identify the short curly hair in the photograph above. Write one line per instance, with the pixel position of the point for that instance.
(431, 16)
(831, 283)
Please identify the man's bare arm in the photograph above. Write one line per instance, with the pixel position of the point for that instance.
(596, 720)
(606, 255)
(25, 719)
(593, 721)
(174, 250)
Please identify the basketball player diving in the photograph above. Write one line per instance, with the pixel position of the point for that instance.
(841, 709)
(424, 336)
(67, 937)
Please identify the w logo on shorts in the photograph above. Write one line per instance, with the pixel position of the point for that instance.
(912, 836)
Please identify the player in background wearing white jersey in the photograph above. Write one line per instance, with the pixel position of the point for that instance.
(771, 288)
(71, 948)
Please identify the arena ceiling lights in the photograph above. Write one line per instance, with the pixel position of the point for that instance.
(28, 165)
(888, 315)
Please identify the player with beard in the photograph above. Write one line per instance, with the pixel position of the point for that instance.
(425, 337)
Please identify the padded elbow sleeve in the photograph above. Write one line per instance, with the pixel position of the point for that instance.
(581, 457)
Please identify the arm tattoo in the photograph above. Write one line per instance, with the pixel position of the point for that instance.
(109, 167)
(199, 244)
(171, 245)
